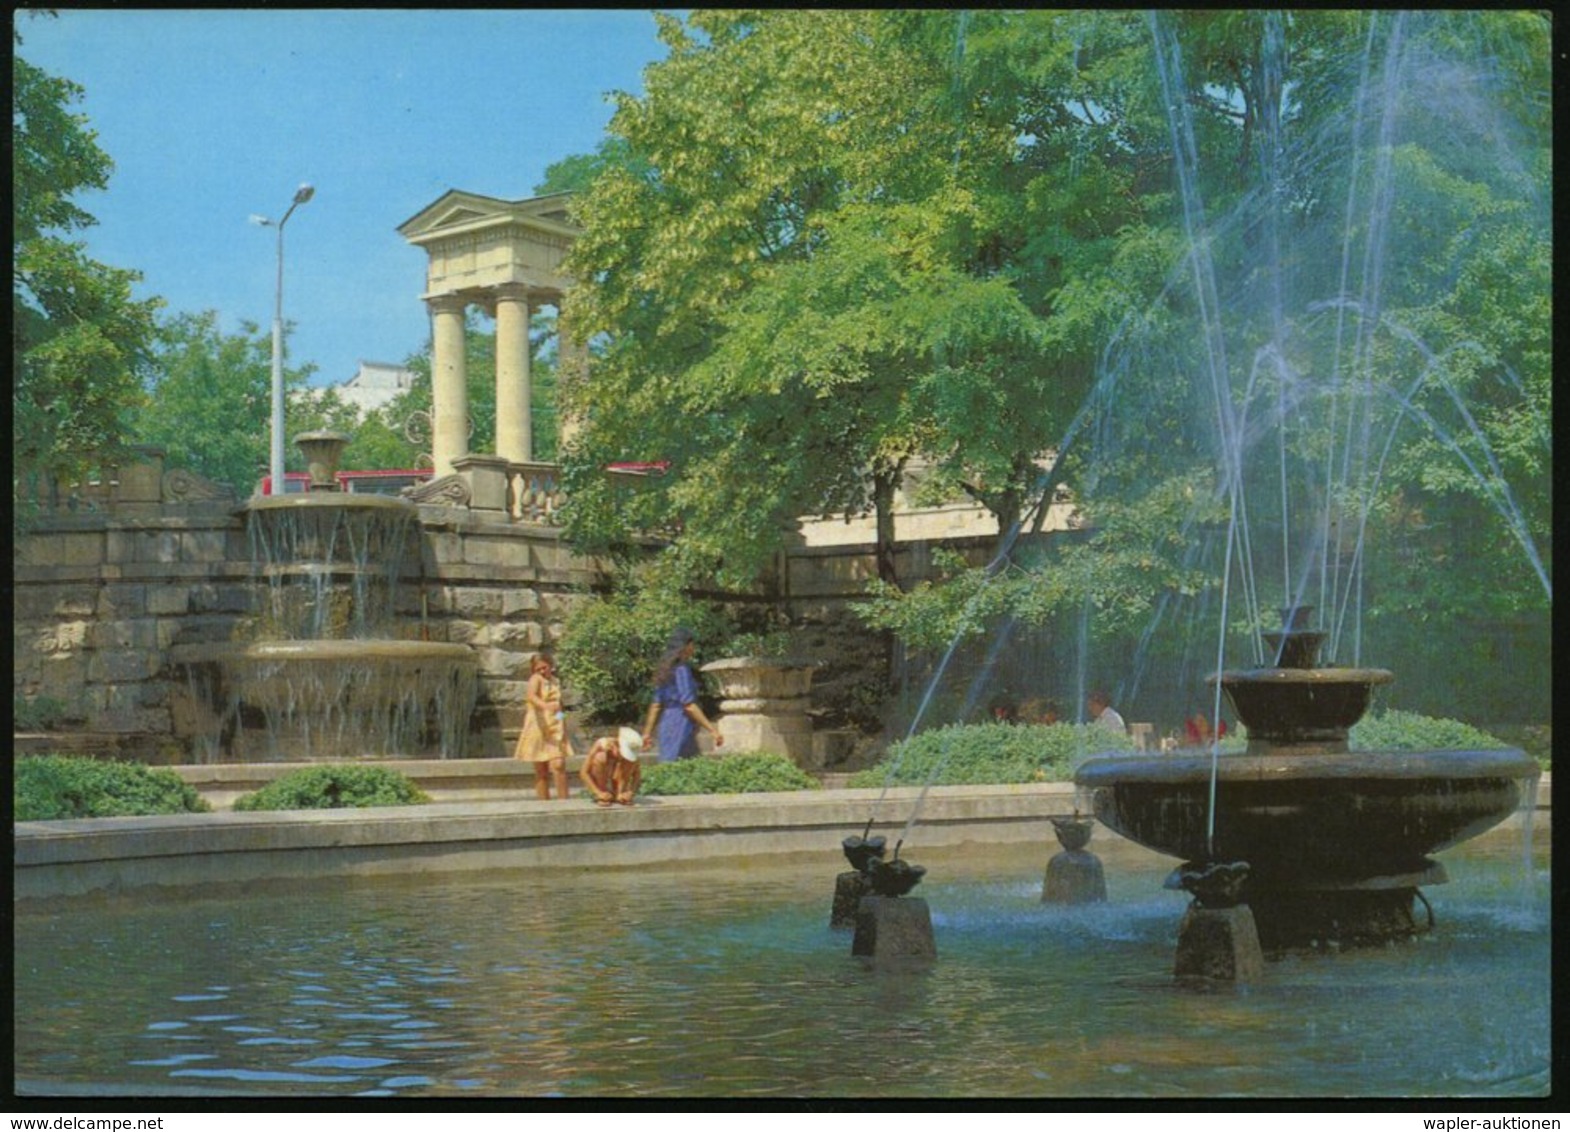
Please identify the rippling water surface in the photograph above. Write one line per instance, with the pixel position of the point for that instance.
(727, 981)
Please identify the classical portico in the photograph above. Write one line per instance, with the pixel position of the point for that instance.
(504, 256)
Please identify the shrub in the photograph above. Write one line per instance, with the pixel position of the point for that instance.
(335, 788)
(751, 773)
(990, 753)
(611, 644)
(53, 787)
(1408, 731)
(39, 713)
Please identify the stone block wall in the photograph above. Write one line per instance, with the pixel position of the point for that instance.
(504, 589)
(102, 600)
(153, 563)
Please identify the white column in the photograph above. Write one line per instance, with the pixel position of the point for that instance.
(514, 388)
(449, 387)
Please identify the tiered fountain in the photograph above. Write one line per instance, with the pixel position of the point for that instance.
(328, 675)
(1324, 845)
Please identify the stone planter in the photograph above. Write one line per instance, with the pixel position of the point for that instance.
(763, 705)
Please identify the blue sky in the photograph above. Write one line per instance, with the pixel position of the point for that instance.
(212, 116)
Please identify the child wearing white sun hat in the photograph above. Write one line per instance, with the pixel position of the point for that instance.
(611, 772)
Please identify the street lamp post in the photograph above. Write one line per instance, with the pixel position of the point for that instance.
(276, 485)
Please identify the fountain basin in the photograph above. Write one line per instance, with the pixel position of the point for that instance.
(1309, 820)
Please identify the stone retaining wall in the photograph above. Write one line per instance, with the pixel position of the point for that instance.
(102, 598)
(144, 563)
(76, 858)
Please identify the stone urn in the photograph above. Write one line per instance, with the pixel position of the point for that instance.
(763, 705)
(323, 451)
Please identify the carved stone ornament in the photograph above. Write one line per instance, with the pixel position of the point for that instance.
(452, 490)
(181, 486)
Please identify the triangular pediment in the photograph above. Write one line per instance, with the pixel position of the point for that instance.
(456, 211)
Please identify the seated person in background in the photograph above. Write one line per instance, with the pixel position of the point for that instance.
(1102, 712)
(611, 772)
(1198, 728)
(1004, 711)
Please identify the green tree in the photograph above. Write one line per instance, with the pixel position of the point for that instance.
(209, 401)
(79, 340)
(807, 271)
(577, 172)
(1277, 275)
(1335, 305)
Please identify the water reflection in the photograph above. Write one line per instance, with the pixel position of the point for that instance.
(726, 981)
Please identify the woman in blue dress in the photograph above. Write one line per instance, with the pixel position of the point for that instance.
(675, 708)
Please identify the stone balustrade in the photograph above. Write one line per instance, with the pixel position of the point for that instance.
(534, 493)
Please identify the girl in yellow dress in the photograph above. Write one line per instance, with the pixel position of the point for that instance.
(543, 740)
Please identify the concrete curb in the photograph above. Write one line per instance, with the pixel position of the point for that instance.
(73, 858)
(80, 857)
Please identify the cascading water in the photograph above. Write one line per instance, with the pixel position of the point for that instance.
(327, 675)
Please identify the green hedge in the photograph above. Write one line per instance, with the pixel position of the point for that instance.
(750, 773)
(981, 754)
(1408, 731)
(1000, 753)
(333, 787)
(52, 787)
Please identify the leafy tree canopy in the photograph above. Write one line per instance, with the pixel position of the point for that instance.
(808, 265)
(209, 400)
(79, 340)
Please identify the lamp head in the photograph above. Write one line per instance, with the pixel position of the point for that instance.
(304, 193)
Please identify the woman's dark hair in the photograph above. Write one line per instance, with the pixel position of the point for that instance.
(679, 639)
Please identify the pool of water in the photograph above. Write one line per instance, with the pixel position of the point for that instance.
(727, 981)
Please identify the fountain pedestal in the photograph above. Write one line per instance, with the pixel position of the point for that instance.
(1218, 940)
(1219, 945)
(851, 886)
(1369, 911)
(1074, 876)
(894, 930)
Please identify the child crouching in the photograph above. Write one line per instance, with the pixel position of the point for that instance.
(611, 772)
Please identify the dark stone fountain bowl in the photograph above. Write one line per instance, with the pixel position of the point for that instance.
(860, 851)
(893, 878)
(1285, 706)
(1073, 833)
(1309, 820)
